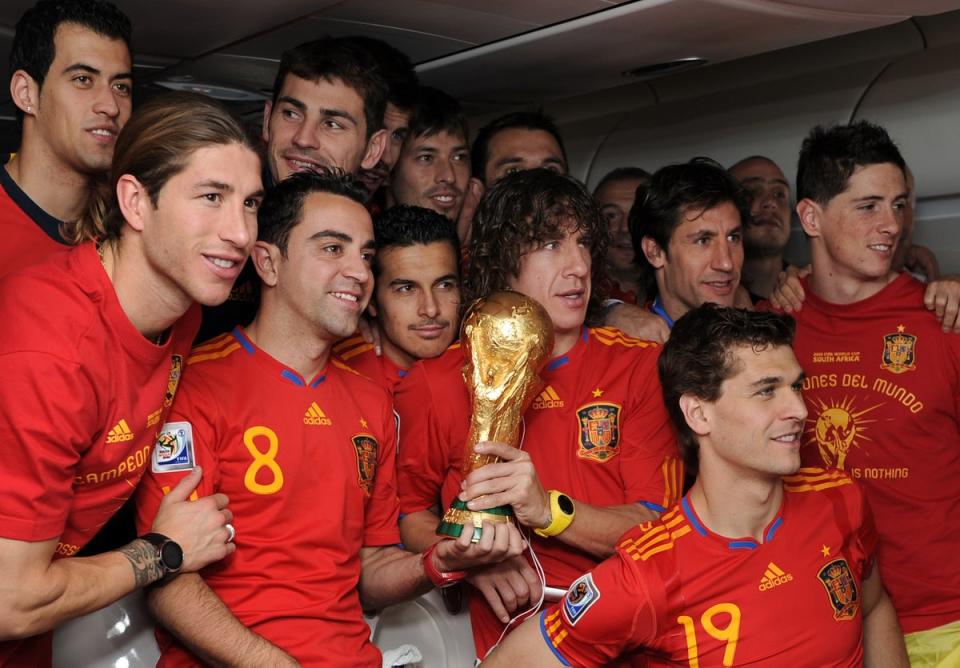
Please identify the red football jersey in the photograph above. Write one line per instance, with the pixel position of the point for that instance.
(29, 233)
(598, 431)
(679, 594)
(360, 356)
(309, 469)
(84, 395)
(883, 393)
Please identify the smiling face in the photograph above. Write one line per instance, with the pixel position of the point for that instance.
(557, 274)
(516, 149)
(768, 230)
(433, 172)
(855, 235)
(325, 280)
(702, 262)
(204, 225)
(417, 302)
(755, 425)
(84, 101)
(316, 124)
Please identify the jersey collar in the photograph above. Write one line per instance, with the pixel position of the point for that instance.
(733, 543)
(571, 356)
(284, 372)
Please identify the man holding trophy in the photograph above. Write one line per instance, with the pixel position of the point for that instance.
(594, 453)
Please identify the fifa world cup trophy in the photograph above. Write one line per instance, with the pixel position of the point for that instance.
(507, 338)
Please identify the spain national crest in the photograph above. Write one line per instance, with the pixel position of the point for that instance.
(599, 431)
(899, 351)
(841, 588)
(176, 366)
(366, 447)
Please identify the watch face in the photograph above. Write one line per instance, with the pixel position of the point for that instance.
(566, 505)
(171, 556)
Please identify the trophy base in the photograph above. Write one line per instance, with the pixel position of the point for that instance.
(459, 516)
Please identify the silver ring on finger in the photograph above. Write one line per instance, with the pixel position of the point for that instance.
(231, 532)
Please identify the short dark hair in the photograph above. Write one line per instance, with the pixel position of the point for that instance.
(404, 225)
(701, 183)
(698, 357)
(33, 48)
(396, 68)
(829, 155)
(340, 58)
(528, 208)
(524, 120)
(282, 206)
(435, 112)
(623, 174)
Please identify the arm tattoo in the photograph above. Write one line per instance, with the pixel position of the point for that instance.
(143, 557)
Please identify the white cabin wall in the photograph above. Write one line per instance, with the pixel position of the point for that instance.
(905, 77)
(918, 100)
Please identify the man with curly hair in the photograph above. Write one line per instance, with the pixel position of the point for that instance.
(597, 456)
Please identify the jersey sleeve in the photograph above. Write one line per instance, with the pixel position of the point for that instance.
(423, 455)
(651, 468)
(606, 613)
(188, 439)
(50, 417)
(382, 521)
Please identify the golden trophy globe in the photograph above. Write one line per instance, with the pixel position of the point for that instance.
(507, 338)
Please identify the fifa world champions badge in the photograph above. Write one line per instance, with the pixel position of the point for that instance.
(581, 596)
(174, 448)
(899, 351)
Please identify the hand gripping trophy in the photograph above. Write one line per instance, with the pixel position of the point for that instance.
(507, 338)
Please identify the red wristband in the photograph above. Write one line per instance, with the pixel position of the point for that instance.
(437, 577)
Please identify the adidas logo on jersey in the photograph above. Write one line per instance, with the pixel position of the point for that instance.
(120, 433)
(774, 577)
(315, 416)
(548, 399)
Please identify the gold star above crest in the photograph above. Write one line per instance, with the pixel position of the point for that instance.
(597, 393)
(363, 423)
(825, 551)
(901, 328)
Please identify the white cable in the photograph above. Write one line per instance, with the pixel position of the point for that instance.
(523, 615)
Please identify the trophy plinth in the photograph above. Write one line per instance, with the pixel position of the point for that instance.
(507, 338)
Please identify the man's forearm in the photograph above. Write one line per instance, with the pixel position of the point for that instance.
(190, 610)
(418, 531)
(37, 594)
(596, 529)
(390, 575)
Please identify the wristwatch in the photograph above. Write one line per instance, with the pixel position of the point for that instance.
(561, 515)
(439, 578)
(169, 554)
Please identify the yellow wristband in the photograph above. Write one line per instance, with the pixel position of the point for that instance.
(561, 515)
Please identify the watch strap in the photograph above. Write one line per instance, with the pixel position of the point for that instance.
(159, 541)
(562, 512)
